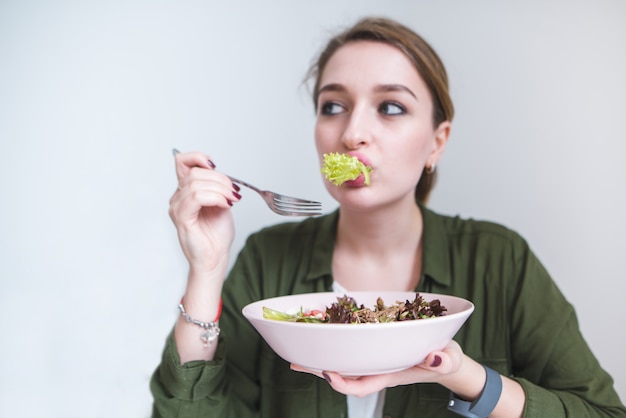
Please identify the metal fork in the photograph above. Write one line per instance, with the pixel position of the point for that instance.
(281, 204)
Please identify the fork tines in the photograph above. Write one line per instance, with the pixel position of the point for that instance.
(297, 206)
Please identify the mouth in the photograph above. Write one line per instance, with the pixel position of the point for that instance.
(362, 158)
(361, 180)
(348, 169)
(358, 182)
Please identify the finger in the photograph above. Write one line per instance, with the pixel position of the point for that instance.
(298, 368)
(200, 178)
(348, 385)
(359, 386)
(445, 361)
(203, 180)
(186, 204)
(186, 161)
(196, 194)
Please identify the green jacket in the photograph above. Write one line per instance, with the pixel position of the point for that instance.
(522, 327)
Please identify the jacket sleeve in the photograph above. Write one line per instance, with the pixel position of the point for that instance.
(227, 386)
(551, 360)
(185, 390)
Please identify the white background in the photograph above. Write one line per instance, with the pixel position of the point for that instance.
(93, 96)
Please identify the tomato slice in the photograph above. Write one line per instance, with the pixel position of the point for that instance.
(315, 313)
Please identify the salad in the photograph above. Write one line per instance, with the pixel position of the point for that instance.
(347, 311)
(339, 168)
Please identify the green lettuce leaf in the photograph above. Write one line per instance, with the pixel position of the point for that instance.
(339, 168)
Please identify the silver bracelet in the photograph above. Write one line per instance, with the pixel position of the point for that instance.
(210, 330)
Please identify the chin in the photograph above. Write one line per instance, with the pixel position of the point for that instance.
(353, 198)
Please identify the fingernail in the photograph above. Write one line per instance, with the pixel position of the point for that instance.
(436, 361)
(211, 163)
(230, 202)
(327, 377)
(237, 195)
(237, 188)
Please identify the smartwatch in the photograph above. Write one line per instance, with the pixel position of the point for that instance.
(486, 401)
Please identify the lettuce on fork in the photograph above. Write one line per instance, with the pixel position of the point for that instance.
(339, 168)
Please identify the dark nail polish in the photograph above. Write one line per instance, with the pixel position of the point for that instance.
(230, 202)
(436, 362)
(327, 377)
(237, 195)
(211, 164)
(237, 188)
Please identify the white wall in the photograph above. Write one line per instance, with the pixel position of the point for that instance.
(93, 96)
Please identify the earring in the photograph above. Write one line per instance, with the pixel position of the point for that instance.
(431, 169)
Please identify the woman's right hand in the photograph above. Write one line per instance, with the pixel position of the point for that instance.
(200, 210)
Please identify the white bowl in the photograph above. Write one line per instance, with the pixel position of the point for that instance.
(357, 349)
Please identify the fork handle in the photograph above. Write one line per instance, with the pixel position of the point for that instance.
(243, 183)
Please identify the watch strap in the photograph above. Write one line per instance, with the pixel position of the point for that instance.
(486, 401)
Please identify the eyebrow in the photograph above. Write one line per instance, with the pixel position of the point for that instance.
(331, 87)
(395, 87)
(379, 88)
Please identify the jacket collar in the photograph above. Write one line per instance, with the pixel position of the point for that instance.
(323, 246)
(435, 247)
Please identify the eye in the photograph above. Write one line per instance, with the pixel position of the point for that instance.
(331, 108)
(391, 108)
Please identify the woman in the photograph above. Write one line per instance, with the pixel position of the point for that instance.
(381, 94)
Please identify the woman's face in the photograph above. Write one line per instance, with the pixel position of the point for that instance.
(374, 105)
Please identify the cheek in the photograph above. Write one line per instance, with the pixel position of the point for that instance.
(322, 138)
(405, 170)
(423, 144)
(410, 162)
(318, 146)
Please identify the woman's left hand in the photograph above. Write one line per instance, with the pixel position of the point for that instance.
(438, 365)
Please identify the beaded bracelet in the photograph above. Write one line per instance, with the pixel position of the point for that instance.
(210, 329)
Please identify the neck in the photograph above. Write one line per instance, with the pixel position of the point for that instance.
(381, 231)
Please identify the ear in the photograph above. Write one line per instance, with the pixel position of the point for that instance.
(442, 133)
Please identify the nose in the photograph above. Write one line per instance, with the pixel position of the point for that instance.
(358, 129)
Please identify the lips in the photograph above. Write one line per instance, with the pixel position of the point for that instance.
(359, 181)
(346, 169)
(362, 158)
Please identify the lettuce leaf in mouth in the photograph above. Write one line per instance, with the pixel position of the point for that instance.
(339, 168)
